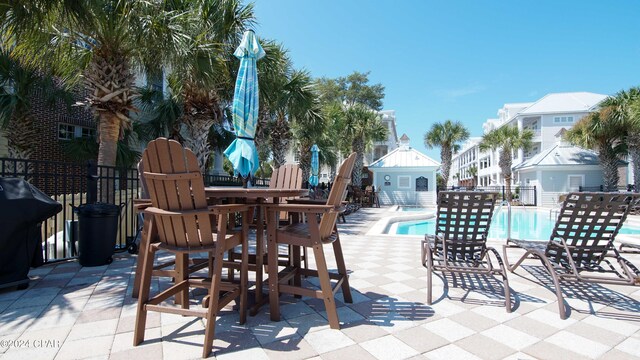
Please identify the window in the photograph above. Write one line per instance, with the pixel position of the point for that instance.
(404, 182)
(422, 184)
(563, 119)
(575, 182)
(296, 157)
(66, 131)
(69, 132)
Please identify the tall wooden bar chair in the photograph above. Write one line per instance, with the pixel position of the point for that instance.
(171, 268)
(185, 225)
(287, 176)
(320, 229)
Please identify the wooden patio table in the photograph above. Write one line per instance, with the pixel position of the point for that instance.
(256, 197)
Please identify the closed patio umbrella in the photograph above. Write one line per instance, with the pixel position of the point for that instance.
(242, 152)
(315, 166)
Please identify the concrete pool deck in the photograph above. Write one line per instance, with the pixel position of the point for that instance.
(89, 313)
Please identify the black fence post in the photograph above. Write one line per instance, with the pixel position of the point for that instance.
(601, 187)
(535, 196)
(92, 182)
(503, 197)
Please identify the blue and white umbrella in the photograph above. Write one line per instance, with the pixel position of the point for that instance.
(315, 166)
(242, 152)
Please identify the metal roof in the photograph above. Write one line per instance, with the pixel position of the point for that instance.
(404, 156)
(561, 155)
(564, 102)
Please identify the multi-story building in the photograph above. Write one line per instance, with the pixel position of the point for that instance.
(546, 117)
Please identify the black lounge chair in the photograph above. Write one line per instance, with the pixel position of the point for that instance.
(581, 245)
(460, 241)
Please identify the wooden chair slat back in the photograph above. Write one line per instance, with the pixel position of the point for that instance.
(286, 177)
(184, 191)
(463, 220)
(588, 223)
(337, 195)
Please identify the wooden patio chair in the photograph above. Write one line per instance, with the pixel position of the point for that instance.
(460, 241)
(287, 176)
(185, 225)
(166, 268)
(581, 245)
(320, 229)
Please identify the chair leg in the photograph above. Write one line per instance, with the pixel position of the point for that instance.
(142, 252)
(145, 287)
(214, 297)
(325, 287)
(429, 265)
(272, 253)
(505, 280)
(342, 269)
(244, 270)
(182, 273)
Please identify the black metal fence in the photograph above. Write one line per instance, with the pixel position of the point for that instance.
(73, 184)
(601, 188)
(525, 195)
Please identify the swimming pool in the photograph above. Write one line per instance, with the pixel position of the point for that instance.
(530, 224)
(411, 208)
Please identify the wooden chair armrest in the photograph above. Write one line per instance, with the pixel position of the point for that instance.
(217, 210)
(141, 204)
(307, 201)
(301, 208)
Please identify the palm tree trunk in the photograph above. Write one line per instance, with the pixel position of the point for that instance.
(280, 137)
(358, 147)
(505, 166)
(609, 164)
(633, 141)
(304, 155)
(197, 138)
(109, 132)
(445, 155)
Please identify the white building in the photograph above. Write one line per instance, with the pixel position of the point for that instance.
(545, 117)
(405, 176)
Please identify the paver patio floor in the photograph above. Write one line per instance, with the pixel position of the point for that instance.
(71, 312)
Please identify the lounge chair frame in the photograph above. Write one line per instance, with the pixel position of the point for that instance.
(460, 242)
(582, 243)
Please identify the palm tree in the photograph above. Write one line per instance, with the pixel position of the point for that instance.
(202, 77)
(20, 83)
(104, 41)
(620, 108)
(633, 141)
(473, 171)
(508, 139)
(600, 131)
(447, 136)
(287, 96)
(362, 126)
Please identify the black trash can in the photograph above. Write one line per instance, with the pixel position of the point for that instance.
(98, 229)
(22, 209)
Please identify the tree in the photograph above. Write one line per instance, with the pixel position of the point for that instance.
(633, 141)
(602, 133)
(362, 126)
(20, 83)
(351, 105)
(508, 139)
(203, 73)
(104, 41)
(351, 90)
(621, 109)
(447, 136)
(473, 171)
(287, 96)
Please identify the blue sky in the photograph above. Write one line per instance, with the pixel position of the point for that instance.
(461, 60)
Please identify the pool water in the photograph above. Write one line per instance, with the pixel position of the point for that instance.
(412, 208)
(527, 224)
